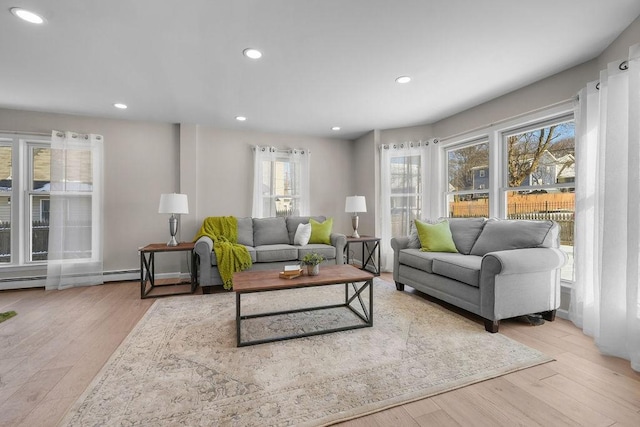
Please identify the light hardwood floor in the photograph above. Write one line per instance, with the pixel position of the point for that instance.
(59, 341)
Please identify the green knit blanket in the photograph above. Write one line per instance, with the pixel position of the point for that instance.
(232, 257)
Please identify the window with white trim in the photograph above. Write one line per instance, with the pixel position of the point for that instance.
(281, 182)
(468, 179)
(540, 178)
(521, 169)
(24, 196)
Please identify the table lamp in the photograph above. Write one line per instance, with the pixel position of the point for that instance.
(355, 204)
(173, 204)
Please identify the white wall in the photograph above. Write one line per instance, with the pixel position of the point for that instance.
(140, 164)
(213, 166)
(225, 172)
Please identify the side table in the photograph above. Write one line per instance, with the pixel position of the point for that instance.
(147, 268)
(370, 252)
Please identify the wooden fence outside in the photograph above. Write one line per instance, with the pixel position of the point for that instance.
(557, 207)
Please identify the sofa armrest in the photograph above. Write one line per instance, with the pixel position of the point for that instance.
(398, 243)
(203, 248)
(339, 241)
(520, 281)
(519, 261)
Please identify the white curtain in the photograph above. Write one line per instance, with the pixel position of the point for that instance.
(76, 211)
(295, 169)
(605, 299)
(403, 177)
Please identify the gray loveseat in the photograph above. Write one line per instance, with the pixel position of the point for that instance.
(503, 268)
(270, 242)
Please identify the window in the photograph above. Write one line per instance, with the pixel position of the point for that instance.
(540, 175)
(468, 180)
(281, 184)
(28, 157)
(523, 168)
(39, 186)
(406, 193)
(6, 191)
(403, 192)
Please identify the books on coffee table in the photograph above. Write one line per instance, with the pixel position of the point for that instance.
(291, 272)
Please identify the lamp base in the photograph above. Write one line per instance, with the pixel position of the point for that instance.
(173, 230)
(354, 224)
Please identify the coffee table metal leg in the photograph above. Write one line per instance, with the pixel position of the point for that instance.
(366, 315)
(238, 317)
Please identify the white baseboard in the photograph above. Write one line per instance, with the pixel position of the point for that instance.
(109, 276)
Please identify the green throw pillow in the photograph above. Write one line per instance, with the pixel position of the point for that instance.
(435, 237)
(321, 231)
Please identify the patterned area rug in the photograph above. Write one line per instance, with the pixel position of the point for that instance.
(180, 365)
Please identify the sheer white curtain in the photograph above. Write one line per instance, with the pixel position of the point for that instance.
(76, 211)
(280, 174)
(403, 184)
(605, 299)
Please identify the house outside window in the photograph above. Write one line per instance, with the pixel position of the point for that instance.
(468, 180)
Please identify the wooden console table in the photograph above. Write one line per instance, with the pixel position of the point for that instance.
(147, 268)
(370, 252)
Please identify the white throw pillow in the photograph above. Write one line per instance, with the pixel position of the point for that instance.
(303, 234)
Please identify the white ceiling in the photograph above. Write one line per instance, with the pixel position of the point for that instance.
(326, 62)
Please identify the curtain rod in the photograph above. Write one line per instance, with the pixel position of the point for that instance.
(17, 132)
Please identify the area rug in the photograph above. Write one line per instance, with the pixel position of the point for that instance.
(180, 364)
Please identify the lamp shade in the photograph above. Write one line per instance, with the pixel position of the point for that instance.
(355, 204)
(173, 204)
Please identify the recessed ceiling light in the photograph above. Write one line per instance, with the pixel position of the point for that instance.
(252, 53)
(335, 128)
(27, 15)
(120, 106)
(403, 79)
(241, 118)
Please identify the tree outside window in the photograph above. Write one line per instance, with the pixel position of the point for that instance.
(541, 174)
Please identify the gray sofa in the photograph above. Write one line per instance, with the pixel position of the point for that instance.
(270, 244)
(503, 268)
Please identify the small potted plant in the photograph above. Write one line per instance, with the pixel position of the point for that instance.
(312, 260)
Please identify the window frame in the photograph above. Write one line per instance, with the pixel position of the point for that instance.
(498, 176)
(447, 148)
(21, 224)
(265, 160)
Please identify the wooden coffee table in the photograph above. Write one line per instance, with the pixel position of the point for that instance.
(268, 280)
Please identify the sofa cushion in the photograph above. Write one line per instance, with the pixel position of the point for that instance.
(276, 253)
(504, 234)
(423, 260)
(293, 221)
(435, 237)
(250, 249)
(303, 234)
(270, 231)
(465, 232)
(321, 231)
(245, 231)
(327, 251)
(465, 268)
